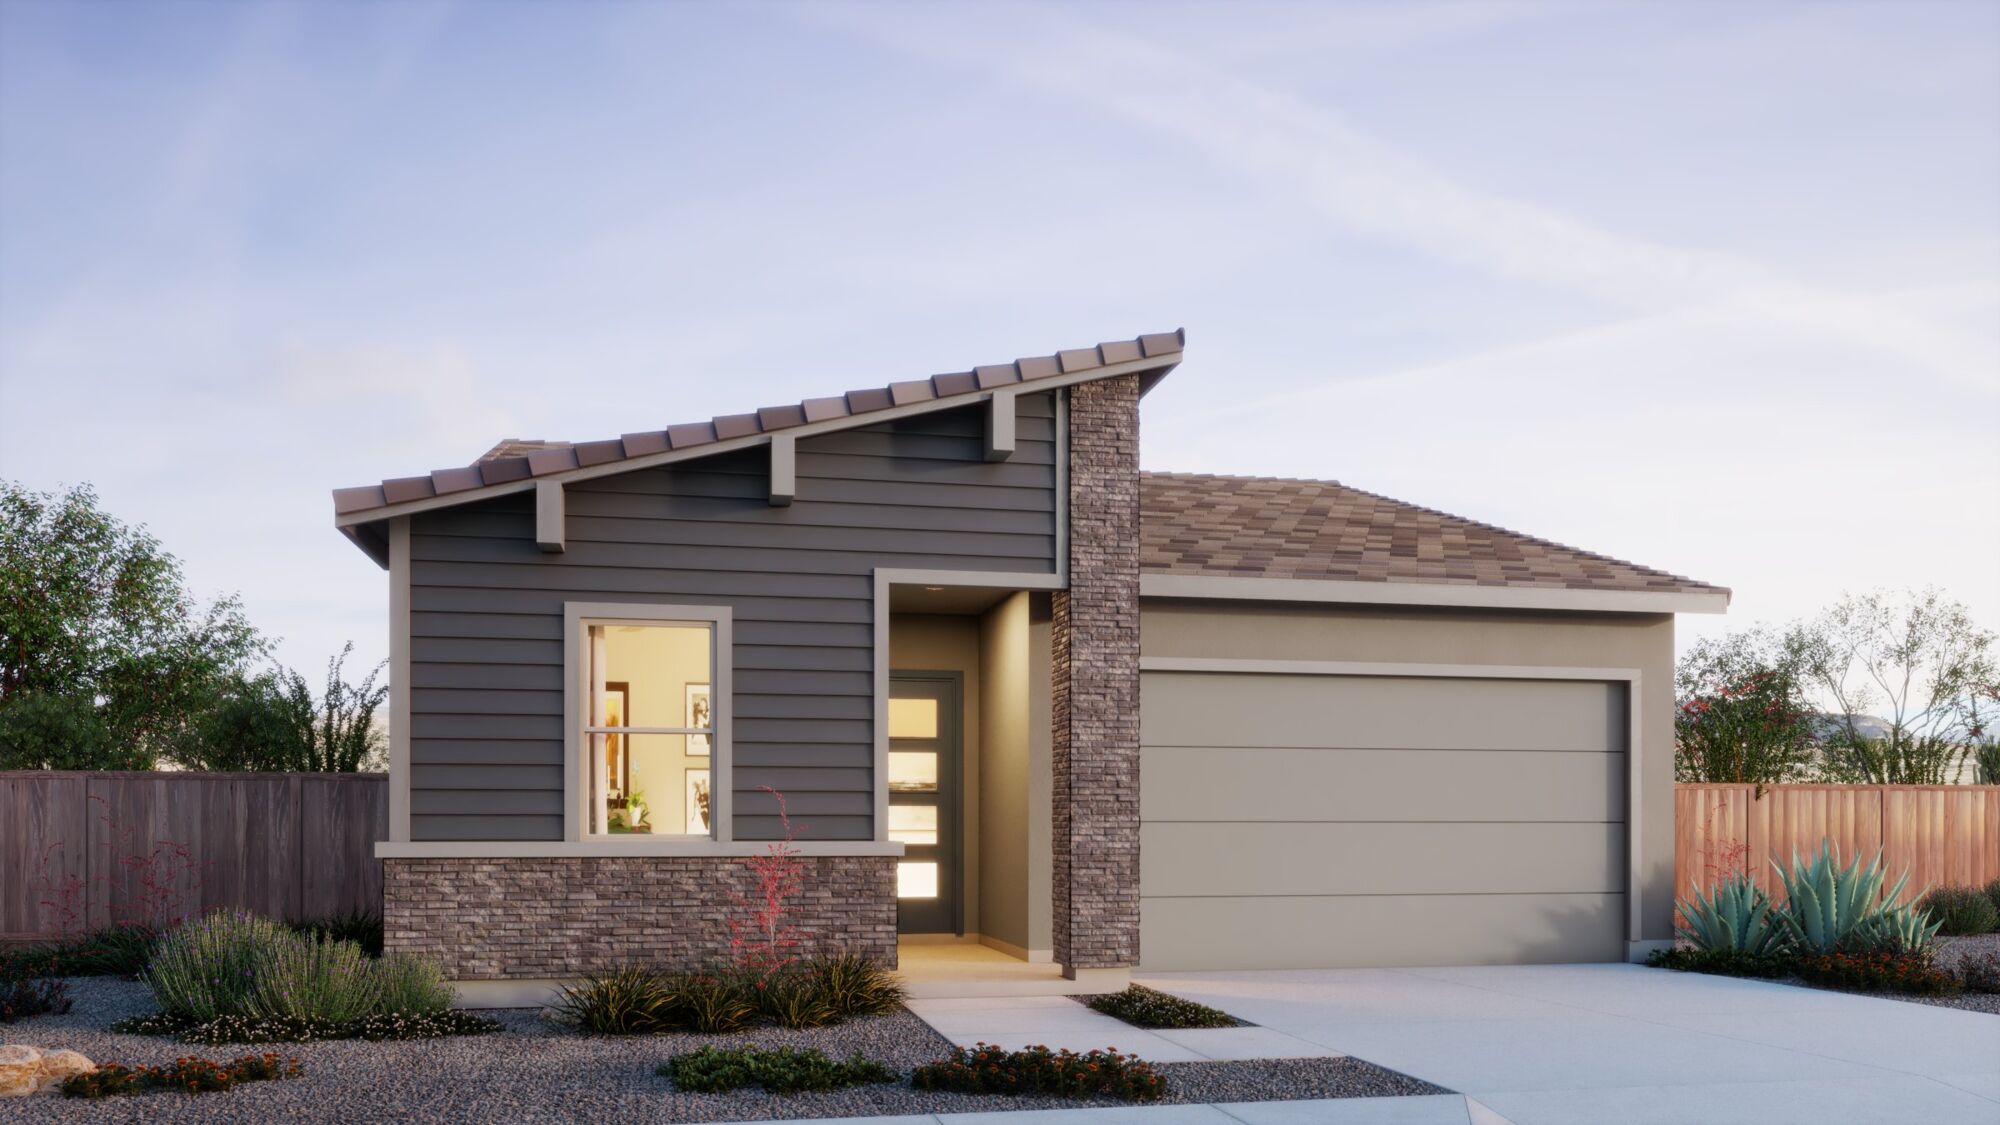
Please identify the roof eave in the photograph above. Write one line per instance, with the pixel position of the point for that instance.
(1156, 366)
(372, 539)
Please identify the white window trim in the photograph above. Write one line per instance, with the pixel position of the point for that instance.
(577, 618)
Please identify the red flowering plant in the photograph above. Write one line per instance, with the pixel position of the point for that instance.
(190, 1074)
(762, 938)
(1741, 714)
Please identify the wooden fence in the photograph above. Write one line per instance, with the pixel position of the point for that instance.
(1943, 835)
(84, 849)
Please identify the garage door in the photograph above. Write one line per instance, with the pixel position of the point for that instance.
(1331, 821)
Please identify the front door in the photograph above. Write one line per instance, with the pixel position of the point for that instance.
(924, 768)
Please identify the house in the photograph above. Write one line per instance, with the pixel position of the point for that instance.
(1012, 690)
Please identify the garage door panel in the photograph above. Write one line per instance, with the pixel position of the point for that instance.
(1266, 859)
(1319, 933)
(1312, 820)
(1385, 712)
(1185, 783)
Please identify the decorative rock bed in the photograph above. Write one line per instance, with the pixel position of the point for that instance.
(531, 1071)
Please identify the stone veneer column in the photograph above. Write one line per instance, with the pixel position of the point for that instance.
(1095, 637)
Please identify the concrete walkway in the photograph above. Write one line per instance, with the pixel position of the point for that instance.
(1572, 1045)
(1060, 1023)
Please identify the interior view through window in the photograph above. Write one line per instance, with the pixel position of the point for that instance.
(651, 728)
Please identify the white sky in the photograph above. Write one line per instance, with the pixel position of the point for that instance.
(1715, 288)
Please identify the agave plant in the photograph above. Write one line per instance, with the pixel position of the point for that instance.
(1734, 916)
(1905, 928)
(1829, 908)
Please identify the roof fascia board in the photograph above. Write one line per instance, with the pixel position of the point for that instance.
(1160, 363)
(1227, 588)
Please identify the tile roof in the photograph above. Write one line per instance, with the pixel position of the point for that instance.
(520, 459)
(1261, 527)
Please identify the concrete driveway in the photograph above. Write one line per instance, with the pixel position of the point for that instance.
(1588, 1044)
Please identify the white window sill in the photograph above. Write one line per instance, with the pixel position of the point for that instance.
(549, 849)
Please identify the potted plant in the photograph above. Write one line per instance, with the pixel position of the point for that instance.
(635, 810)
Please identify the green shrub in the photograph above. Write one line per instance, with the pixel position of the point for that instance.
(986, 1069)
(790, 1000)
(780, 1070)
(1724, 962)
(1734, 916)
(121, 950)
(1831, 909)
(713, 1003)
(1961, 910)
(627, 1001)
(209, 967)
(22, 996)
(361, 928)
(1979, 972)
(411, 985)
(1145, 1007)
(292, 1029)
(189, 1075)
(1877, 971)
(1986, 761)
(852, 985)
(314, 978)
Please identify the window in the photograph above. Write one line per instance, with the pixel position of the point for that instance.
(653, 726)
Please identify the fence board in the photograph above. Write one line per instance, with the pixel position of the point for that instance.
(287, 845)
(1943, 835)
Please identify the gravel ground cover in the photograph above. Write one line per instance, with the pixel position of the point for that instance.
(1949, 951)
(533, 1073)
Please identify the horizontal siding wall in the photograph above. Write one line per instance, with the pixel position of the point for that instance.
(486, 650)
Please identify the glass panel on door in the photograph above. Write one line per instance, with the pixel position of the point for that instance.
(924, 761)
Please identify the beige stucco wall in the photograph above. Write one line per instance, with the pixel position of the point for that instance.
(1041, 779)
(1282, 631)
(1014, 841)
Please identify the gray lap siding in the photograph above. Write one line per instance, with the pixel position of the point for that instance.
(486, 644)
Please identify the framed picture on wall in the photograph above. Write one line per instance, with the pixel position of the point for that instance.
(697, 802)
(616, 709)
(698, 715)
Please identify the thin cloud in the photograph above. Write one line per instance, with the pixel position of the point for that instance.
(1374, 190)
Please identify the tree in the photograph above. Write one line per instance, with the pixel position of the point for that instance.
(345, 738)
(273, 722)
(95, 612)
(1741, 713)
(42, 731)
(1916, 656)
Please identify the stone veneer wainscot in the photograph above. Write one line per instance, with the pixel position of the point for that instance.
(496, 919)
